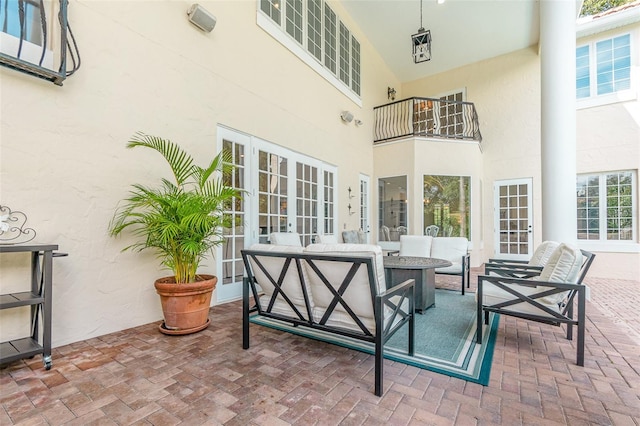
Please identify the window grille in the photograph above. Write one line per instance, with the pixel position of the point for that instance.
(314, 32)
(606, 206)
(26, 44)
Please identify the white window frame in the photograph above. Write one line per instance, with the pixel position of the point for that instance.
(609, 98)
(279, 33)
(603, 244)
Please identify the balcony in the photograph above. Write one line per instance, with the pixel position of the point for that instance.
(426, 117)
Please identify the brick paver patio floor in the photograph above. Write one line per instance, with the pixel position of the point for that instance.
(139, 376)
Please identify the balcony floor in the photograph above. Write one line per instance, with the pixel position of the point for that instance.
(139, 376)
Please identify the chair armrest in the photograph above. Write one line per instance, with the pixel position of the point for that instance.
(507, 261)
(529, 282)
(397, 289)
(512, 270)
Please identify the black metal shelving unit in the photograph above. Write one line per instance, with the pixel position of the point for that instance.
(39, 299)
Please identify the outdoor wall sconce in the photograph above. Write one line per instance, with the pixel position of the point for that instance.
(421, 43)
(201, 18)
(391, 93)
(346, 116)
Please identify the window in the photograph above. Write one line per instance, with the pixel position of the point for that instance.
(451, 118)
(355, 65)
(606, 204)
(313, 32)
(330, 31)
(10, 18)
(344, 54)
(294, 19)
(603, 67)
(447, 204)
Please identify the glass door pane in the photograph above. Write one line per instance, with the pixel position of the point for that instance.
(272, 195)
(513, 219)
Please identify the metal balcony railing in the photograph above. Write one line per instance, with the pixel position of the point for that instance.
(427, 117)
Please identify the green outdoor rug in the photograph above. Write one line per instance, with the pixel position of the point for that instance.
(444, 341)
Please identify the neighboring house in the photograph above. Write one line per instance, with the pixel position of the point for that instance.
(251, 87)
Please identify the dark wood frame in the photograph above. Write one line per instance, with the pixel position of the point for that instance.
(379, 337)
(577, 292)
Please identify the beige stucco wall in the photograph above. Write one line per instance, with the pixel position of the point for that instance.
(145, 67)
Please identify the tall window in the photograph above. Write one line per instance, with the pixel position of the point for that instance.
(294, 19)
(355, 65)
(330, 39)
(314, 28)
(447, 204)
(315, 34)
(344, 54)
(606, 204)
(603, 67)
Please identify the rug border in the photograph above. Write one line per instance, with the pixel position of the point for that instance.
(479, 374)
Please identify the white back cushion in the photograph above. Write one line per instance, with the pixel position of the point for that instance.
(543, 253)
(327, 239)
(286, 239)
(291, 283)
(358, 294)
(563, 266)
(415, 245)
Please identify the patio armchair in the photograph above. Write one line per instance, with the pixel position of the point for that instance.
(548, 297)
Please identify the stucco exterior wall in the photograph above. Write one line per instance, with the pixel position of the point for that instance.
(145, 67)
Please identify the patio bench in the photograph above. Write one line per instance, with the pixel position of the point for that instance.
(336, 288)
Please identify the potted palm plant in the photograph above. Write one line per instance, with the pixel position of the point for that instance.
(181, 220)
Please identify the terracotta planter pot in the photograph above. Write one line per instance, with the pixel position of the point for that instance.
(186, 305)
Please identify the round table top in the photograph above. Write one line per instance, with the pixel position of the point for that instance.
(412, 262)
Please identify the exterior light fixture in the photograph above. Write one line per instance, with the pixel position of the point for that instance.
(391, 93)
(421, 43)
(346, 116)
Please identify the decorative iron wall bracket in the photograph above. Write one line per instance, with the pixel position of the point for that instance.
(12, 227)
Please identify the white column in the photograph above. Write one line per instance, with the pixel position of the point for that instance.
(558, 119)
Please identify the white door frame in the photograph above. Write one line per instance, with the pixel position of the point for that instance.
(513, 219)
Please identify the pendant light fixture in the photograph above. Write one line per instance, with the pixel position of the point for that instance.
(421, 43)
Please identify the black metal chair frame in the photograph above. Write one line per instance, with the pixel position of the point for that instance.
(576, 292)
(379, 337)
(465, 273)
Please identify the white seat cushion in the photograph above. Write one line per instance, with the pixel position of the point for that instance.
(415, 245)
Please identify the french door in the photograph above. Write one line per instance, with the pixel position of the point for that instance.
(513, 219)
(284, 192)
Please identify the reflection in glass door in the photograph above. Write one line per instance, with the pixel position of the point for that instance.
(272, 195)
(364, 206)
(234, 219)
(306, 202)
(513, 219)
